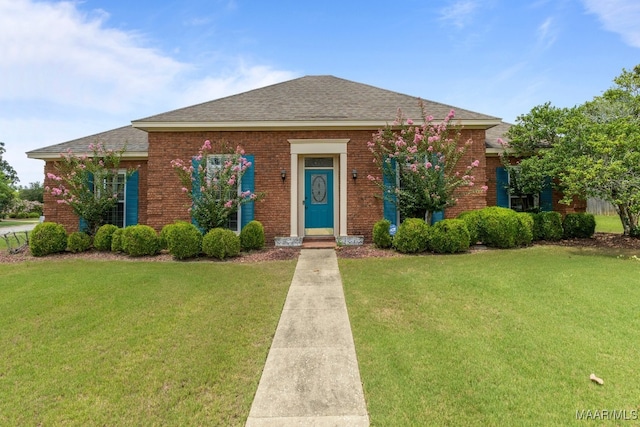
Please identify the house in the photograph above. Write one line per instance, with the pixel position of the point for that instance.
(307, 141)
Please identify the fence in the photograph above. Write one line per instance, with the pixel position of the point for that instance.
(600, 207)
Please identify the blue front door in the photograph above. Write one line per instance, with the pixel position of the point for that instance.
(318, 199)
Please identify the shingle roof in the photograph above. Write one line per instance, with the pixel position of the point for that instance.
(136, 141)
(492, 135)
(311, 98)
(314, 100)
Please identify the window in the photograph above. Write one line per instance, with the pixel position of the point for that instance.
(509, 197)
(117, 184)
(214, 165)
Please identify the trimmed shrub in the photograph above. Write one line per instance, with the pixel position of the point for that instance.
(581, 225)
(449, 236)
(139, 240)
(381, 236)
(525, 229)
(116, 240)
(221, 243)
(252, 236)
(78, 242)
(103, 237)
(47, 238)
(547, 226)
(473, 220)
(182, 239)
(412, 236)
(499, 227)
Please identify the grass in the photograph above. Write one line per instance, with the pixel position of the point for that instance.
(608, 224)
(135, 343)
(12, 222)
(495, 337)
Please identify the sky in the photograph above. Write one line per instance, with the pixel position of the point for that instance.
(70, 69)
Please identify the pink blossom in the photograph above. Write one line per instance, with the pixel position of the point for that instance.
(228, 204)
(470, 184)
(184, 189)
(206, 145)
(409, 122)
(231, 181)
(484, 188)
(437, 167)
(245, 194)
(475, 163)
(428, 165)
(501, 142)
(253, 197)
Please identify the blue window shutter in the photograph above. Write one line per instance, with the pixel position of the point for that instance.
(131, 200)
(83, 223)
(248, 184)
(546, 196)
(195, 184)
(502, 185)
(389, 210)
(437, 216)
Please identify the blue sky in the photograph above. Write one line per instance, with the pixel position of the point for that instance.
(69, 69)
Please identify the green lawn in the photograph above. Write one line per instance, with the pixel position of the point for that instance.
(608, 224)
(495, 337)
(135, 343)
(12, 222)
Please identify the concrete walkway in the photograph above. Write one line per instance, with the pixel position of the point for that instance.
(311, 377)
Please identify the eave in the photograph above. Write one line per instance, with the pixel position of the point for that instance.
(289, 125)
(127, 155)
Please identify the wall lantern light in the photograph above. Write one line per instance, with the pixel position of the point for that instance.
(283, 174)
(354, 174)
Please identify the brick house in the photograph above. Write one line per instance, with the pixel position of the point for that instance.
(307, 141)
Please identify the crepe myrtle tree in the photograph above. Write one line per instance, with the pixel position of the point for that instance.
(419, 165)
(211, 182)
(88, 183)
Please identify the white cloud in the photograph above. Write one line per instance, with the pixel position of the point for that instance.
(459, 13)
(67, 74)
(618, 16)
(546, 33)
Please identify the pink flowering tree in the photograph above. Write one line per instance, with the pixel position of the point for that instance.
(88, 183)
(212, 183)
(419, 165)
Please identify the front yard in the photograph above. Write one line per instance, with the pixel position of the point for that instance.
(135, 343)
(495, 337)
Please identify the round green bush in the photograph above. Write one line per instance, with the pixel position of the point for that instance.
(473, 221)
(183, 240)
(580, 225)
(116, 240)
(139, 240)
(549, 226)
(221, 243)
(103, 237)
(525, 229)
(78, 242)
(47, 238)
(449, 236)
(499, 227)
(252, 236)
(412, 236)
(381, 236)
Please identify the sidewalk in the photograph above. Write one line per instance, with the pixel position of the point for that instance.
(311, 376)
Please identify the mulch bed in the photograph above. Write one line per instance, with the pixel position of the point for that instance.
(599, 240)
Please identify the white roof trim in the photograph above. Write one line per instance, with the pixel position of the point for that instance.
(291, 125)
(127, 155)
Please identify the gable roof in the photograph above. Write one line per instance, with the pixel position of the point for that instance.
(311, 102)
(136, 141)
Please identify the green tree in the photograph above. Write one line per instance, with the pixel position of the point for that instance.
(7, 195)
(424, 160)
(593, 149)
(33, 192)
(10, 174)
(88, 183)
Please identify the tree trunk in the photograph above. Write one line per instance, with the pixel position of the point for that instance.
(628, 219)
(427, 217)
